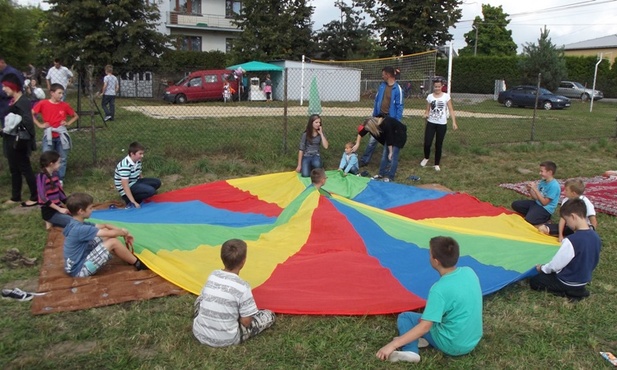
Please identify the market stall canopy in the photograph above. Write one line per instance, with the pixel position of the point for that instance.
(255, 66)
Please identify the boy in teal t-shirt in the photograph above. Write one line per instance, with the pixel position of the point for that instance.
(452, 319)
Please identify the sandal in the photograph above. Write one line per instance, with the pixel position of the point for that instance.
(26, 204)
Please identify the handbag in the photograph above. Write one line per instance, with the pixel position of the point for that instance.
(23, 133)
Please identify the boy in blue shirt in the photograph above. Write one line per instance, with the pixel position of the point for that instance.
(570, 270)
(545, 197)
(87, 247)
(452, 319)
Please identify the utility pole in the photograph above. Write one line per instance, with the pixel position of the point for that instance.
(475, 44)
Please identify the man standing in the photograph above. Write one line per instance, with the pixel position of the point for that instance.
(110, 90)
(59, 74)
(388, 103)
(6, 69)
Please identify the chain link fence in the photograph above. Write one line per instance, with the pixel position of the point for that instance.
(256, 130)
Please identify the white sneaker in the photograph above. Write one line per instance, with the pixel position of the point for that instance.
(424, 162)
(437, 168)
(422, 343)
(406, 356)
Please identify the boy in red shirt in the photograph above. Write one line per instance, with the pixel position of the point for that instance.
(54, 113)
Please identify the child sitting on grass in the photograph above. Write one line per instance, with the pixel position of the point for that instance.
(573, 189)
(87, 247)
(51, 194)
(225, 311)
(545, 197)
(349, 161)
(570, 270)
(452, 319)
(134, 188)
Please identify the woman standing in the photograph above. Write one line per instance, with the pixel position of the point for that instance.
(392, 134)
(438, 108)
(308, 153)
(18, 141)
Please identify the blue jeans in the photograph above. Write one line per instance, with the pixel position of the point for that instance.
(368, 151)
(56, 144)
(388, 168)
(407, 321)
(143, 189)
(109, 105)
(60, 219)
(310, 162)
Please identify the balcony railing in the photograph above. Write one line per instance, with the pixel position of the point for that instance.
(199, 20)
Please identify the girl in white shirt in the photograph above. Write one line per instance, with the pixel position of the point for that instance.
(438, 108)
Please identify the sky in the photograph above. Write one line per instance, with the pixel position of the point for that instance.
(568, 21)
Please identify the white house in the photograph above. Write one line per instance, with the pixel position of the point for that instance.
(199, 25)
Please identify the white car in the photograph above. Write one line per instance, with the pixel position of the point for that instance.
(577, 90)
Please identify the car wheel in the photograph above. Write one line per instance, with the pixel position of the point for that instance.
(585, 97)
(181, 99)
(547, 105)
(508, 103)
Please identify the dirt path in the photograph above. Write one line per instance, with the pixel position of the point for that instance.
(201, 111)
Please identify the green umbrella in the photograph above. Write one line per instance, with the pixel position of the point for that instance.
(314, 106)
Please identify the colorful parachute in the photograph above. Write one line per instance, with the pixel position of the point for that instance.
(362, 249)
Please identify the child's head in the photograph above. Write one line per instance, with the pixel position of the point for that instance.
(318, 176)
(349, 147)
(314, 123)
(56, 91)
(79, 202)
(574, 188)
(233, 254)
(11, 84)
(548, 169)
(49, 158)
(109, 68)
(136, 151)
(445, 250)
(574, 211)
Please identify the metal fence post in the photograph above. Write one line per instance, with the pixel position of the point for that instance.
(535, 108)
(285, 105)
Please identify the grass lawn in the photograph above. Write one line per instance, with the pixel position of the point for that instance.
(522, 329)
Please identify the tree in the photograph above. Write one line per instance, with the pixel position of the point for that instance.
(19, 33)
(273, 29)
(349, 38)
(98, 32)
(412, 26)
(543, 58)
(493, 37)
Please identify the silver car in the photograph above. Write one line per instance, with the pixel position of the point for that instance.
(572, 89)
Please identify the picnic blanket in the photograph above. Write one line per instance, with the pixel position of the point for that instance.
(116, 282)
(601, 191)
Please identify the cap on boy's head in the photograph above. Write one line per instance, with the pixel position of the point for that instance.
(574, 206)
(318, 175)
(233, 253)
(12, 82)
(134, 147)
(445, 250)
(577, 186)
(549, 166)
(78, 201)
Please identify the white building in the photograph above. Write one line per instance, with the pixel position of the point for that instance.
(199, 25)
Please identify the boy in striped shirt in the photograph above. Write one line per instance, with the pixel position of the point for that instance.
(134, 188)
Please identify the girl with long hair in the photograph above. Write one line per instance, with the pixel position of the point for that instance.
(312, 138)
(51, 195)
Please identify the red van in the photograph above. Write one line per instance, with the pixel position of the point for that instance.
(201, 85)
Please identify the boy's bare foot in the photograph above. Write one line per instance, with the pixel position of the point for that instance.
(544, 229)
(48, 225)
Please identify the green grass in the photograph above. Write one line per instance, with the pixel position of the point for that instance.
(523, 329)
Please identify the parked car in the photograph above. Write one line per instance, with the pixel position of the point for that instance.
(576, 90)
(525, 96)
(201, 85)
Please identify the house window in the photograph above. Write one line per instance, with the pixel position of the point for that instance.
(229, 44)
(190, 43)
(232, 7)
(188, 6)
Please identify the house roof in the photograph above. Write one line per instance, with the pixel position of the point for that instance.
(609, 41)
